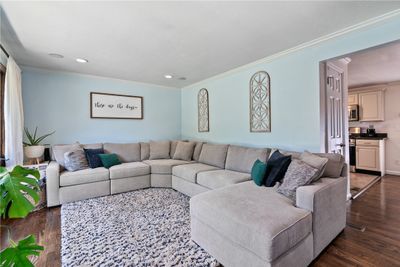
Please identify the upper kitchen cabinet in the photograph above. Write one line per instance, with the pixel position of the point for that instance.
(353, 99)
(371, 105)
(370, 101)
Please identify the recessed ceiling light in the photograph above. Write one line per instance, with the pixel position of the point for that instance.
(56, 55)
(168, 76)
(82, 60)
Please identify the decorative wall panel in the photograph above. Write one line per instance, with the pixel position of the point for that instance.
(203, 113)
(260, 102)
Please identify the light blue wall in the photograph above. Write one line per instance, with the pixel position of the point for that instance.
(60, 101)
(294, 94)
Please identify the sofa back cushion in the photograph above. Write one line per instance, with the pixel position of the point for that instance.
(241, 159)
(214, 155)
(184, 151)
(92, 146)
(160, 149)
(144, 151)
(128, 152)
(197, 150)
(334, 166)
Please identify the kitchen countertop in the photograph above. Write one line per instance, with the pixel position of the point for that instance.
(378, 136)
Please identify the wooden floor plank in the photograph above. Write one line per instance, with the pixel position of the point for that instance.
(379, 245)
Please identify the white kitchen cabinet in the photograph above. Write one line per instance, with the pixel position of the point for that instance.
(367, 158)
(371, 105)
(352, 99)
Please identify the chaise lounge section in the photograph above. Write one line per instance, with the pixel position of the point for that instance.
(249, 225)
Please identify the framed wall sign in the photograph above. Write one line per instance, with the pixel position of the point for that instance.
(113, 106)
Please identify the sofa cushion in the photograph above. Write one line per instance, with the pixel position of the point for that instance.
(197, 151)
(314, 161)
(241, 159)
(298, 174)
(160, 149)
(258, 172)
(220, 178)
(84, 176)
(334, 166)
(130, 169)
(253, 217)
(75, 160)
(60, 150)
(277, 166)
(184, 151)
(92, 146)
(163, 166)
(189, 171)
(144, 151)
(213, 154)
(92, 156)
(174, 144)
(126, 152)
(109, 160)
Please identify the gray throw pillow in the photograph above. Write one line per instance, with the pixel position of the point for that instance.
(75, 160)
(316, 162)
(160, 149)
(184, 151)
(298, 174)
(59, 151)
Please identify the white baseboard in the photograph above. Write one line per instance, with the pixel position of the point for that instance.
(393, 172)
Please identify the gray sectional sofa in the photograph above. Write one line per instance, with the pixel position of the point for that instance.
(236, 221)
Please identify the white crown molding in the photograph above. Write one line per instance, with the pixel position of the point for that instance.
(301, 46)
(42, 70)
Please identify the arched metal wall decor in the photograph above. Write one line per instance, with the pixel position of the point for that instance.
(260, 102)
(203, 112)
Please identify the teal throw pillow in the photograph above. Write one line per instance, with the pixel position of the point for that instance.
(109, 160)
(258, 172)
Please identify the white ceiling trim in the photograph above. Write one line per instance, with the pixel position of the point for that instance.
(43, 70)
(270, 58)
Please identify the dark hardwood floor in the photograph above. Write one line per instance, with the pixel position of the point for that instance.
(378, 210)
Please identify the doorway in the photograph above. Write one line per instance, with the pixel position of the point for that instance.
(359, 117)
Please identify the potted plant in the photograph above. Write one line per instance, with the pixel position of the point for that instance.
(15, 187)
(33, 148)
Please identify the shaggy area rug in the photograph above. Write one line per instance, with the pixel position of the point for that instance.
(149, 227)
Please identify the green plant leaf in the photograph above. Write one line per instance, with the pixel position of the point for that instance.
(40, 139)
(34, 135)
(14, 186)
(16, 255)
(32, 139)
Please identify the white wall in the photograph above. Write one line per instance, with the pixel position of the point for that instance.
(391, 126)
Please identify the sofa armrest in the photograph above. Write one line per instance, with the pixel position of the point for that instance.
(53, 184)
(326, 199)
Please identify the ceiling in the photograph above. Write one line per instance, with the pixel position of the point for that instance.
(143, 41)
(375, 66)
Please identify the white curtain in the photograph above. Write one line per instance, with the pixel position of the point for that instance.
(13, 115)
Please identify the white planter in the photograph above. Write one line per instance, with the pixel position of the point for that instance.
(34, 152)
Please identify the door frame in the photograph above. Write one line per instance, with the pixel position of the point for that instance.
(341, 65)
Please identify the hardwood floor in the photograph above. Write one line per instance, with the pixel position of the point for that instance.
(378, 209)
(379, 245)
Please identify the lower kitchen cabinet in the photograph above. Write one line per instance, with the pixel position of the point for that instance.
(367, 158)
